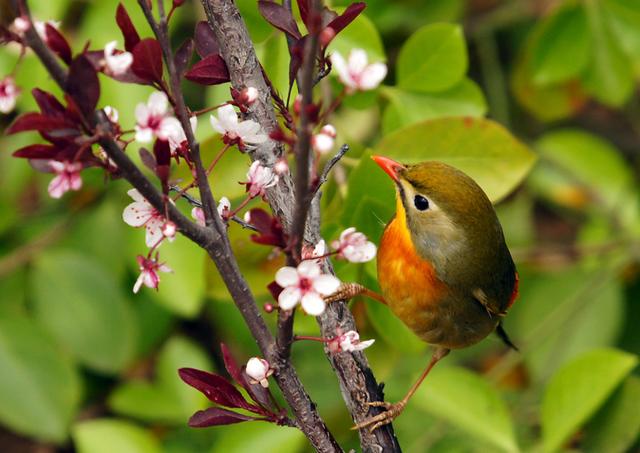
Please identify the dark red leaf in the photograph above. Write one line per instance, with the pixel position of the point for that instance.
(258, 393)
(339, 23)
(280, 17)
(206, 43)
(48, 103)
(58, 43)
(83, 85)
(274, 289)
(303, 7)
(216, 388)
(147, 60)
(131, 37)
(162, 154)
(183, 56)
(37, 151)
(297, 51)
(147, 159)
(216, 416)
(212, 70)
(230, 363)
(38, 122)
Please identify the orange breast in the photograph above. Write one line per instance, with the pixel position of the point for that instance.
(408, 282)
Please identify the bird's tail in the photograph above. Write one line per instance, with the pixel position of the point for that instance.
(504, 337)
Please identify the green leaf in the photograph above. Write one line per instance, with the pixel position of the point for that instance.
(406, 107)
(434, 58)
(274, 55)
(468, 402)
(360, 34)
(168, 399)
(609, 77)
(562, 49)
(39, 385)
(595, 165)
(482, 148)
(616, 426)
(578, 390)
(82, 305)
(623, 18)
(256, 436)
(111, 435)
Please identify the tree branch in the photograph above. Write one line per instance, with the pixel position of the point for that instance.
(357, 382)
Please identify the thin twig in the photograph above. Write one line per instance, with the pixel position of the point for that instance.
(324, 176)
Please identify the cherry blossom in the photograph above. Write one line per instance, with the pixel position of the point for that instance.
(242, 133)
(357, 74)
(116, 63)
(350, 342)
(8, 94)
(260, 178)
(305, 284)
(141, 213)
(20, 25)
(354, 246)
(149, 269)
(249, 95)
(153, 119)
(169, 229)
(112, 114)
(320, 249)
(323, 141)
(198, 215)
(258, 370)
(176, 140)
(281, 166)
(68, 177)
(224, 207)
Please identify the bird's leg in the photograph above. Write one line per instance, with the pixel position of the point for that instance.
(395, 409)
(348, 291)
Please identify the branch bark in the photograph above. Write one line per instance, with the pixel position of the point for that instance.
(357, 383)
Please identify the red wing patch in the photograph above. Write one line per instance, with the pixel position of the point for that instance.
(514, 294)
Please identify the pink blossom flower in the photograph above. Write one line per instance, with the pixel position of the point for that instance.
(116, 63)
(324, 140)
(320, 249)
(21, 25)
(178, 138)
(149, 269)
(350, 341)
(198, 215)
(141, 213)
(68, 177)
(9, 92)
(112, 114)
(224, 207)
(281, 166)
(354, 246)
(357, 74)
(305, 285)
(242, 133)
(153, 119)
(259, 371)
(169, 229)
(249, 95)
(259, 179)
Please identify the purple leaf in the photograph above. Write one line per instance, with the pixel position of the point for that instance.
(183, 56)
(216, 416)
(280, 17)
(163, 159)
(212, 70)
(216, 388)
(206, 42)
(303, 7)
(297, 51)
(37, 122)
(339, 23)
(147, 159)
(47, 102)
(37, 151)
(131, 37)
(230, 363)
(83, 85)
(147, 60)
(58, 43)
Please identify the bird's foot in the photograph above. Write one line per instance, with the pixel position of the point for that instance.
(346, 291)
(392, 410)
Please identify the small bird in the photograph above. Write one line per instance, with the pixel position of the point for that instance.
(444, 268)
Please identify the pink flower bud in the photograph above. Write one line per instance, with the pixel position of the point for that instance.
(269, 308)
(258, 370)
(281, 167)
(169, 229)
(249, 95)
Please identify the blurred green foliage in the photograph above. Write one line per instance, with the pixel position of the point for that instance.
(85, 363)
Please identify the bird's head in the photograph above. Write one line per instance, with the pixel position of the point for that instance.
(445, 211)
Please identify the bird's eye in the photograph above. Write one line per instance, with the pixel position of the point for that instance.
(421, 203)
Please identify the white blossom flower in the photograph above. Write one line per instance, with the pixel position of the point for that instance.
(20, 25)
(260, 178)
(249, 95)
(9, 92)
(354, 246)
(357, 74)
(350, 341)
(67, 177)
(116, 63)
(169, 229)
(176, 140)
(149, 269)
(324, 140)
(224, 207)
(258, 370)
(198, 215)
(305, 285)
(281, 166)
(112, 113)
(243, 133)
(320, 249)
(153, 119)
(141, 213)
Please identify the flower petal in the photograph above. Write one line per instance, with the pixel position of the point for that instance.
(372, 76)
(326, 284)
(158, 103)
(313, 304)
(287, 276)
(289, 298)
(308, 269)
(136, 214)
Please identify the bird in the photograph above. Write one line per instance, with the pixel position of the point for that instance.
(444, 268)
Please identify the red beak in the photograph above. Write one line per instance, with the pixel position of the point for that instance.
(390, 166)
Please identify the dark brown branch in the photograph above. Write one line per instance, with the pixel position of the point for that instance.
(357, 383)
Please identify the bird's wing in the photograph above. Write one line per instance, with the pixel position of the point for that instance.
(497, 304)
